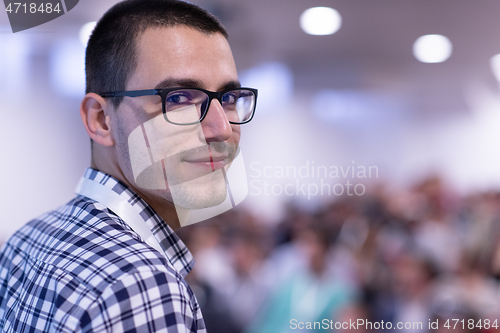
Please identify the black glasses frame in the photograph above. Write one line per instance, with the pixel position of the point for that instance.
(164, 92)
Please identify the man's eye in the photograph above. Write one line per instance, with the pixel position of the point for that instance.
(178, 99)
(229, 98)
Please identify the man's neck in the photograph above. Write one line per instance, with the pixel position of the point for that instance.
(169, 213)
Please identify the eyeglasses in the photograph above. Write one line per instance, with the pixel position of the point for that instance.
(188, 106)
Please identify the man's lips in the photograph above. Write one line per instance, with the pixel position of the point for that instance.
(206, 158)
(215, 156)
(210, 161)
(198, 162)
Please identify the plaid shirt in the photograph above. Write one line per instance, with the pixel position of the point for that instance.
(81, 268)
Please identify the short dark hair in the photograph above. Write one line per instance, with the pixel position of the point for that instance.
(111, 55)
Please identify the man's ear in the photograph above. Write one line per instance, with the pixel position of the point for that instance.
(94, 112)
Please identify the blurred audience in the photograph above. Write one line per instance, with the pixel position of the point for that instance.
(422, 255)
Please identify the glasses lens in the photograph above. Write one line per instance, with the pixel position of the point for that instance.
(184, 106)
(238, 105)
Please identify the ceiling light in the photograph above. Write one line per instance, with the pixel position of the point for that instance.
(320, 21)
(432, 48)
(495, 66)
(85, 32)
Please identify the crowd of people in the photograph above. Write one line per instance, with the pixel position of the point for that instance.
(420, 260)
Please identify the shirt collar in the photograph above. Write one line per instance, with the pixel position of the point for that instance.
(175, 250)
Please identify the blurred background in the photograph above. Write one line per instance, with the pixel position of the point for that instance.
(372, 161)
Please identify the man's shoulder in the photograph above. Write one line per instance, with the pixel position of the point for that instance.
(86, 240)
(88, 267)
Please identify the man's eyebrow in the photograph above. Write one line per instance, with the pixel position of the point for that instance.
(231, 85)
(172, 83)
(189, 83)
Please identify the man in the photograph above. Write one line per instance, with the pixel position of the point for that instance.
(163, 109)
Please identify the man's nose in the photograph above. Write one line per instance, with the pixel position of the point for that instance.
(216, 126)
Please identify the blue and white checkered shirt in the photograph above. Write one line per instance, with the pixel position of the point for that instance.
(81, 268)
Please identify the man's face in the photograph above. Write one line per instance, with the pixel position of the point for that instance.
(181, 164)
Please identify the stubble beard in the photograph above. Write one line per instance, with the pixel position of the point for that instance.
(203, 192)
(209, 190)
